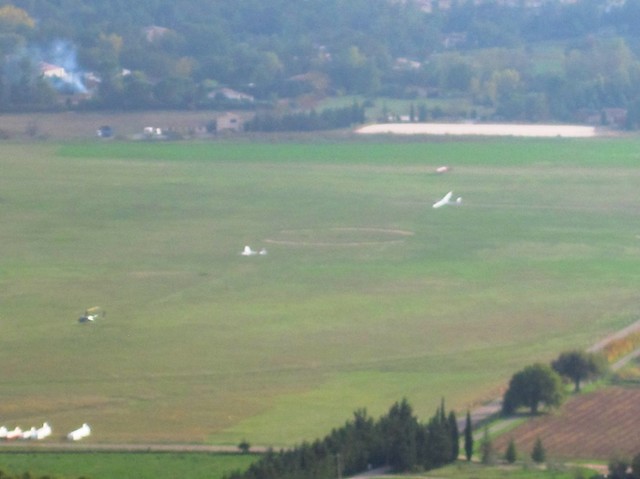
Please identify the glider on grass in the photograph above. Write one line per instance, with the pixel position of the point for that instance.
(16, 433)
(79, 433)
(42, 432)
(31, 434)
(91, 314)
(446, 200)
(247, 251)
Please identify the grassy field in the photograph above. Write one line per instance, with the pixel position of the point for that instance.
(123, 465)
(367, 294)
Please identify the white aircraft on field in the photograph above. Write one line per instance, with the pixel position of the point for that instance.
(42, 432)
(247, 251)
(14, 434)
(446, 200)
(79, 433)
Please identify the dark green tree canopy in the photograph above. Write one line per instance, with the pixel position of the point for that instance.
(281, 49)
(511, 454)
(538, 454)
(397, 440)
(468, 437)
(579, 366)
(532, 386)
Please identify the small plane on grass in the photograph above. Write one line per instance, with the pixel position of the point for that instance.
(247, 251)
(79, 433)
(43, 432)
(15, 433)
(91, 314)
(31, 434)
(446, 200)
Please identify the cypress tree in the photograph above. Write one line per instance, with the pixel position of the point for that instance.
(538, 454)
(511, 455)
(487, 448)
(468, 438)
(455, 436)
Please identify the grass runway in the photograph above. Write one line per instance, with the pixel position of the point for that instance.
(201, 344)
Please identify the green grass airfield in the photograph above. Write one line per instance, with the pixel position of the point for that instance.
(367, 294)
(123, 465)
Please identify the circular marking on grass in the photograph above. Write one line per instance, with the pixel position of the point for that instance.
(340, 237)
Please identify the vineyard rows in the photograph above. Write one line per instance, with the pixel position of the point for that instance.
(597, 425)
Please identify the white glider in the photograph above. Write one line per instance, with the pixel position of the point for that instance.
(247, 251)
(42, 432)
(14, 434)
(79, 433)
(446, 200)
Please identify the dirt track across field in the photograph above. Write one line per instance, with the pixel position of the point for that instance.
(88, 447)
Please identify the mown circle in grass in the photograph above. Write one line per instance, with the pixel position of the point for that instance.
(339, 236)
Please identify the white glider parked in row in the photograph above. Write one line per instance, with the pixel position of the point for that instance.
(446, 200)
(43, 432)
(32, 434)
(247, 251)
(16, 433)
(79, 433)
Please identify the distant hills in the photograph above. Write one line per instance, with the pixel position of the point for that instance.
(509, 59)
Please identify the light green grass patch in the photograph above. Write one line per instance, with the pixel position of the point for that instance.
(124, 465)
(202, 344)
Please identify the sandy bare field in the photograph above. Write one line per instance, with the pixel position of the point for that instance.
(494, 129)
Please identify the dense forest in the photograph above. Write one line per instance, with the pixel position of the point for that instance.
(554, 61)
(397, 441)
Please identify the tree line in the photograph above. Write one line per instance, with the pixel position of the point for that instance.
(397, 440)
(327, 119)
(175, 53)
(542, 384)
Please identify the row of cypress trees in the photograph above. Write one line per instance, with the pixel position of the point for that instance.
(396, 440)
(327, 119)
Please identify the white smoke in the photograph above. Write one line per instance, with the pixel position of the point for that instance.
(63, 54)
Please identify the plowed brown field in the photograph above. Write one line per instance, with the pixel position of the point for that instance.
(597, 425)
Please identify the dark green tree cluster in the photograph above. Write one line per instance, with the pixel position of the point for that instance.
(397, 440)
(532, 386)
(175, 52)
(621, 468)
(579, 366)
(327, 119)
(542, 384)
